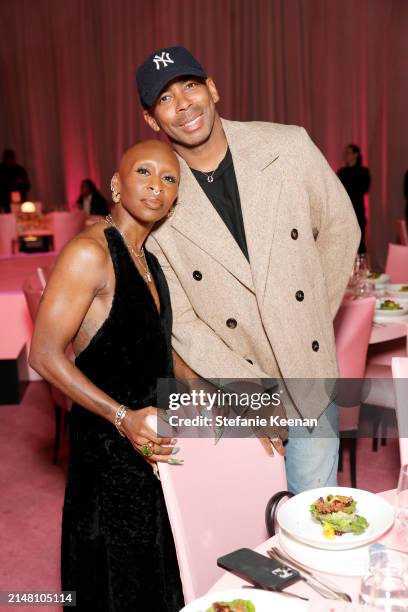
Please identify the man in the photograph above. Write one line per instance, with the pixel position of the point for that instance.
(257, 254)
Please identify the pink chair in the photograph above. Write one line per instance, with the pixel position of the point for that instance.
(8, 234)
(216, 503)
(402, 232)
(352, 328)
(400, 376)
(33, 289)
(65, 226)
(397, 263)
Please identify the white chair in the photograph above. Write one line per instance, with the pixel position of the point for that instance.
(8, 234)
(65, 226)
(216, 503)
(400, 376)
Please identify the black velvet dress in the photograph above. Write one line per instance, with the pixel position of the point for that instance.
(117, 548)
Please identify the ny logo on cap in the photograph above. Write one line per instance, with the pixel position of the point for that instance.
(164, 58)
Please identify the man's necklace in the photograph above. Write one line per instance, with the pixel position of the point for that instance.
(141, 255)
(209, 175)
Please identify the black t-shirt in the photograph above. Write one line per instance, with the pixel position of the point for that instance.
(224, 195)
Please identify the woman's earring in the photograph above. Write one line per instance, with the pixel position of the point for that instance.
(115, 192)
(171, 211)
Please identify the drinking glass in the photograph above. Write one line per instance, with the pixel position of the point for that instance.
(385, 587)
(401, 502)
(364, 288)
(363, 264)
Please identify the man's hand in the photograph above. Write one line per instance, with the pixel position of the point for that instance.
(269, 445)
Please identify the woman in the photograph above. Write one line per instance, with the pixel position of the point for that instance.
(356, 180)
(91, 200)
(109, 297)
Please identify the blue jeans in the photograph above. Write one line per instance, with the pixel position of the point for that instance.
(312, 458)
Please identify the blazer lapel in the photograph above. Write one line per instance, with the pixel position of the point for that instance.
(259, 184)
(196, 218)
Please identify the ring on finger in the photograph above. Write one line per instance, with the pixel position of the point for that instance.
(147, 449)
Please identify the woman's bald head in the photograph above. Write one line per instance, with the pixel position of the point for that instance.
(147, 150)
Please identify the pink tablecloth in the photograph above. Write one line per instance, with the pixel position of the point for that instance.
(350, 585)
(389, 330)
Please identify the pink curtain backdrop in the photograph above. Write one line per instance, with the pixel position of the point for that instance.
(338, 67)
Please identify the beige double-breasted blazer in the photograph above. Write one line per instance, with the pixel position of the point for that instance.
(274, 315)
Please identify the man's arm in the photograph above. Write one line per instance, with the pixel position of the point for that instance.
(196, 343)
(334, 218)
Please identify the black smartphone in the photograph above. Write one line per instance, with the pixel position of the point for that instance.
(259, 570)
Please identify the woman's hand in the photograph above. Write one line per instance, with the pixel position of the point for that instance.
(136, 428)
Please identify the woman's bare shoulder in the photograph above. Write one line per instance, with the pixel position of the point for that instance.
(87, 253)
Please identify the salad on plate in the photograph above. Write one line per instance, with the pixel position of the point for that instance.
(238, 605)
(338, 515)
(389, 305)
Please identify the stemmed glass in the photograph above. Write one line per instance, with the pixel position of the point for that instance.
(363, 264)
(360, 285)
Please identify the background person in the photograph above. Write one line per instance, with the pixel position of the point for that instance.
(356, 180)
(91, 200)
(13, 177)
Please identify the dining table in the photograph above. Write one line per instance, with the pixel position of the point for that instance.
(389, 334)
(345, 583)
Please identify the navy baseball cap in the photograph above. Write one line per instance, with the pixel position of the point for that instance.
(163, 66)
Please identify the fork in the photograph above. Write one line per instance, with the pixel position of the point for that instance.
(275, 553)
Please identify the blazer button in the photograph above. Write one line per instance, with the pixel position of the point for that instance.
(231, 323)
(197, 275)
(315, 346)
(294, 234)
(250, 361)
(300, 296)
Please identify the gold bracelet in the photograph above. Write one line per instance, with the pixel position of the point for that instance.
(120, 415)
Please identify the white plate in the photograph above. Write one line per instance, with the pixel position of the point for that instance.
(262, 600)
(391, 313)
(294, 517)
(395, 289)
(340, 562)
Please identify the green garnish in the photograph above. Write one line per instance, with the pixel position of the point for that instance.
(238, 605)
